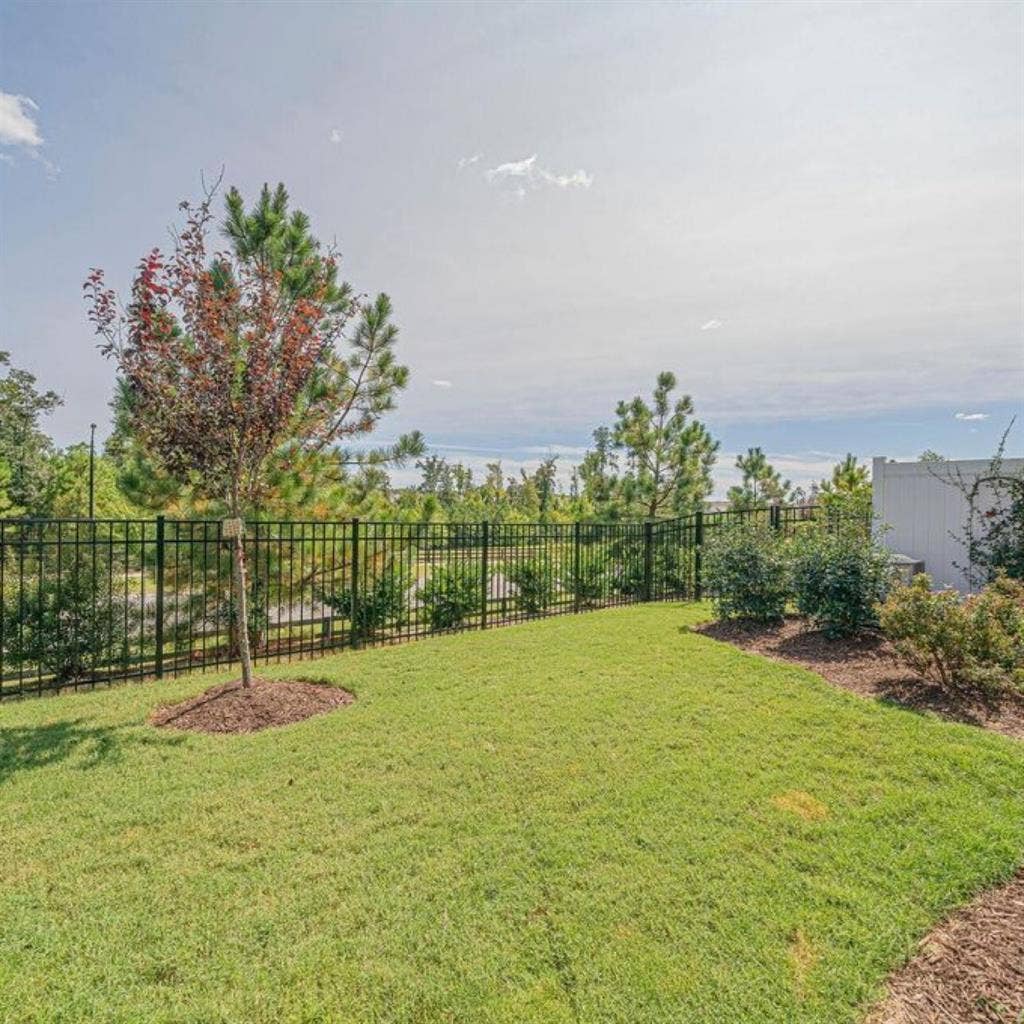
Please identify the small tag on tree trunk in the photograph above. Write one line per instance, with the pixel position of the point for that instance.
(231, 529)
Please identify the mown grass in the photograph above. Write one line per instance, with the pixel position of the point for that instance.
(593, 818)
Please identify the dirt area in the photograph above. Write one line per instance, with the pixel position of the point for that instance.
(230, 708)
(969, 970)
(867, 666)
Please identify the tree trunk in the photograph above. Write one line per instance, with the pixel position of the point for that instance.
(242, 607)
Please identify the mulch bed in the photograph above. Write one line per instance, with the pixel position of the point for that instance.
(969, 970)
(230, 708)
(867, 666)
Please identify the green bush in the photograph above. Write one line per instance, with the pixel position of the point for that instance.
(381, 600)
(451, 595)
(628, 573)
(669, 570)
(976, 642)
(588, 583)
(214, 605)
(746, 570)
(534, 578)
(997, 630)
(839, 577)
(71, 620)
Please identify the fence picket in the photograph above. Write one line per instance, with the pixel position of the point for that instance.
(154, 598)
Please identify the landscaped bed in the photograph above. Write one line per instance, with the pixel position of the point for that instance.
(606, 817)
(866, 664)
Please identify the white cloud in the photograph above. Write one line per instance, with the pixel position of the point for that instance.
(969, 416)
(562, 451)
(578, 179)
(468, 161)
(441, 383)
(336, 136)
(520, 174)
(17, 124)
(712, 325)
(516, 169)
(18, 127)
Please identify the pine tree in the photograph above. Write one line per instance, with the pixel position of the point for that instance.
(848, 491)
(848, 477)
(667, 455)
(762, 484)
(233, 361)
(362, 382)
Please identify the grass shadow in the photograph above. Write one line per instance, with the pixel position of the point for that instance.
(26, 747)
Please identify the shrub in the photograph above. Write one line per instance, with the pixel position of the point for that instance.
(672, 569)
(977, 642)
(213, 606)
(535, 580)
(628, 573)
(451, 595)
(746, 569)
(997, 632)
(839, 577)
(588, 584)
(669, 570)
(929, 630)
(71, 621)
(380, 600)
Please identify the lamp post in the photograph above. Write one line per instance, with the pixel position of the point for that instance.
(92, 469)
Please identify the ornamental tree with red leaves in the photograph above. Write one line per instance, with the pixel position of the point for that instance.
(228, 356)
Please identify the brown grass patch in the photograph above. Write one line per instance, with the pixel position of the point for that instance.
(802, 804)
(802, 957)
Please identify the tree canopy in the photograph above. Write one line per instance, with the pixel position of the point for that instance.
(761, 483)
(25, 449)
(231, 358)
(654, 461)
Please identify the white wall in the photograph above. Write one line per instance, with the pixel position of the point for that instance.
(925, 514)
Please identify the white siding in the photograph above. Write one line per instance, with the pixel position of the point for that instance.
(925, 514)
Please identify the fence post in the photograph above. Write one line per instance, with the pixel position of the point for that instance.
(698, 557)
(775, 516)
(577, 582)
(354, 593)
(160, 560)
(648, 559)
(485, 585)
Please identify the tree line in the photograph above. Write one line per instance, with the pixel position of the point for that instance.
(250, 378)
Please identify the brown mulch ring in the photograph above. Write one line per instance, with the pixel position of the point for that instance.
(866, 665)
(230, 708)
(969, 970)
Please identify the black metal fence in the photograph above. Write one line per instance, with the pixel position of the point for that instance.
(89, 601)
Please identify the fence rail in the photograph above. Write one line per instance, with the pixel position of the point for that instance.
(89, 601)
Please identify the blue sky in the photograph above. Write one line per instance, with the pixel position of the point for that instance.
(813, 214)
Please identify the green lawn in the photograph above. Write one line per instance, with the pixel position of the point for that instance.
(592, 818)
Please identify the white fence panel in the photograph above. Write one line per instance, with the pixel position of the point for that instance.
(925, 514)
